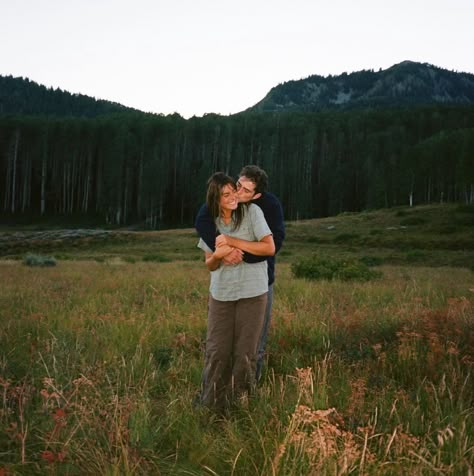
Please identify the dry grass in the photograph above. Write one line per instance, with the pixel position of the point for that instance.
(99, 364)
(101, 357)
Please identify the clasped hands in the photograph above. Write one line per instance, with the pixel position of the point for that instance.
(225, 251)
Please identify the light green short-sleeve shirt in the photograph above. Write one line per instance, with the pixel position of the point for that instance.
(245, 280)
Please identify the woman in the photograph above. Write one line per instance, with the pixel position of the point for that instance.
(238, 294)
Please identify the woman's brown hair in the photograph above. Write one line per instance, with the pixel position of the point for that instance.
(215, 184)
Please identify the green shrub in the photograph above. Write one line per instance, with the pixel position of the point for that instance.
(158, 258)
(465, 209)
(400, 213)
(411, 221)
(63, 256)
(345, 237)
(447, 230)
(39, 260)
(317, 267)
(415, 255)
(465, 220)
(129, 259)
(371, 260)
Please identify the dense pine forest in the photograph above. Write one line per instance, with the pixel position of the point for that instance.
(150, 170)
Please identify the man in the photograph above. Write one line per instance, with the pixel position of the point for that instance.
(251, 186)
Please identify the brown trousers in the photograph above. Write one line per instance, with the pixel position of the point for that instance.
(233, 332)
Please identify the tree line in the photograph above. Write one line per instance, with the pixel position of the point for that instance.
(151, 170)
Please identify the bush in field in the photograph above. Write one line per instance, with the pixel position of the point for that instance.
(447, 229)
(39, 260)
(412, 221)
(465, 209)
(346, 237)
(317, 267)
(371, 260)
(157, 258)
(415, 255)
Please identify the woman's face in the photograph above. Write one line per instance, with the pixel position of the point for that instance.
(228, 200)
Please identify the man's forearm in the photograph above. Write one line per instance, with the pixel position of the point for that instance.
(250, 258)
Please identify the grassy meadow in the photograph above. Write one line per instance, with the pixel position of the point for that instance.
(101, 354)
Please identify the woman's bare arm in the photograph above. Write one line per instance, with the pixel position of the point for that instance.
(213, 260)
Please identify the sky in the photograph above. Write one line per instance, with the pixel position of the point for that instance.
(194, 57)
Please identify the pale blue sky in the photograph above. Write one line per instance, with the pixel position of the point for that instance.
(201, 56)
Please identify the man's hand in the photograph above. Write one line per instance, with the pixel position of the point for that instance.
(233, 258)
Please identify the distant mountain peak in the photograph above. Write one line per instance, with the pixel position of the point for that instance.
(403, 84)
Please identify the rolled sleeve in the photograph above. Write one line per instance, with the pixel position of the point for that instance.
(202, 244)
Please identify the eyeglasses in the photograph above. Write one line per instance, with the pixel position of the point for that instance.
(246, 190)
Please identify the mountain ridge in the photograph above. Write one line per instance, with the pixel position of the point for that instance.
(405, 83)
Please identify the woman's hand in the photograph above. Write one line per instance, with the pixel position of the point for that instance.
(213, 260)
(222, 251)
(222, 240)
(233, 258)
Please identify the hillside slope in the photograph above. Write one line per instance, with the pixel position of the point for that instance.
(25, 97)
(406, 83)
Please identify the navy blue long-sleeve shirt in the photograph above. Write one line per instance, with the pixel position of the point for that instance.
(273, 213)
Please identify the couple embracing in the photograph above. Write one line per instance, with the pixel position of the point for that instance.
(241, 228)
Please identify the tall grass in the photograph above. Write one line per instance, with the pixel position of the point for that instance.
(100, 362)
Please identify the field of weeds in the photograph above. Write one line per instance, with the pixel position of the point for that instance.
(101, 358)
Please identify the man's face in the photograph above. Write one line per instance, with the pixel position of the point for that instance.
(246, 190)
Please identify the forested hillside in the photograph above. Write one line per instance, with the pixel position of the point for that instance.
(133, 168)
(404, 84)
(22, 96)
